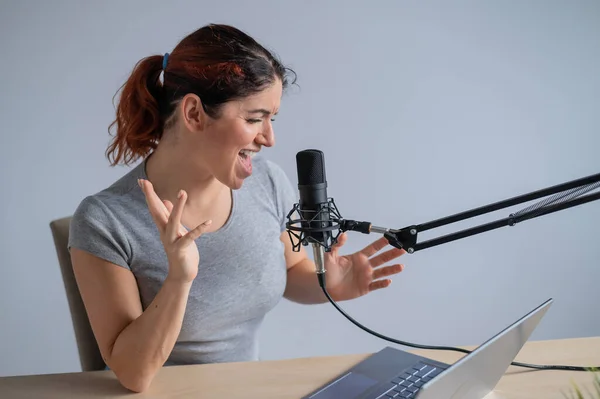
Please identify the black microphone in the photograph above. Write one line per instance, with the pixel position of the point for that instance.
(317, 212)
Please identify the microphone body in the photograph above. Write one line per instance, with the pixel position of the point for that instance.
(314, 204)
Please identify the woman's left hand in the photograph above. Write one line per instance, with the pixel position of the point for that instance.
(357, 274)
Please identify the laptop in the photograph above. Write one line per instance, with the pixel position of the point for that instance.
(394, 373)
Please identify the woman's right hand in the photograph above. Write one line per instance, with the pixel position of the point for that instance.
(181, 250)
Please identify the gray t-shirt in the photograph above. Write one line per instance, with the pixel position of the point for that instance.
(242, 270)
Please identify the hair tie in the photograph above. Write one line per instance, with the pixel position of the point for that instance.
(165, 61)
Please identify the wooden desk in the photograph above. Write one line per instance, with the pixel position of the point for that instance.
(284, 379)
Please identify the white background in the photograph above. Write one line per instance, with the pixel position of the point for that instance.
(423, 109)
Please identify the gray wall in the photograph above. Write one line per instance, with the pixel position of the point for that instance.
(422, 110)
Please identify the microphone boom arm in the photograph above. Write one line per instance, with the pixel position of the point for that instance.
(406, 238)
(318, 217)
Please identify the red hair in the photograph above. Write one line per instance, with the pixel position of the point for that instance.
(218, 63)
(138, 118)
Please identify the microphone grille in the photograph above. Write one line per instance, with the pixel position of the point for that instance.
(311, 167)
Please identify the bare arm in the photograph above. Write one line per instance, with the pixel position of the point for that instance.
(134, 343)
(348, 277)
(302, 284)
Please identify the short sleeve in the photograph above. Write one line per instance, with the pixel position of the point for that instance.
(285, 194)
(96, 230)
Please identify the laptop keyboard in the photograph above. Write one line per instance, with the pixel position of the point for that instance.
(408, 383)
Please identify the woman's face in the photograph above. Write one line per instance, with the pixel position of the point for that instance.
(225, 146)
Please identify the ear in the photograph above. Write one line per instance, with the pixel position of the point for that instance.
(193, 115)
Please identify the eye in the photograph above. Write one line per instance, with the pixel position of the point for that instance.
(253, 120)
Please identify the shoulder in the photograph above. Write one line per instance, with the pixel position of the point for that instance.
(94, 209)
(99, 224)
(107, 203)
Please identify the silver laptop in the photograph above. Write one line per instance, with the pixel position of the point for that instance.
(394, 373)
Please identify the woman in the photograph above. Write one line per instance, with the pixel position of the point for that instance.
(180, 259)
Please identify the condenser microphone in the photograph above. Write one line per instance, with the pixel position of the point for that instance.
(314, 206)
(319, 217)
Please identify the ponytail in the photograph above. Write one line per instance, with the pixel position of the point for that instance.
(138, 120)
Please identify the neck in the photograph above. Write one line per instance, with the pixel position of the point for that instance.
(169, 173)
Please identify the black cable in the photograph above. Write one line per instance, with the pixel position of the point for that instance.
(321, 277)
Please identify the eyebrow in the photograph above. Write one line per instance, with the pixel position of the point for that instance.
(260, 111)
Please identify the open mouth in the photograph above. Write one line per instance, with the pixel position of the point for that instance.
(247, 153)
(246, 159)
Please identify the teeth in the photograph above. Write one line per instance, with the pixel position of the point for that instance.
(248, 153)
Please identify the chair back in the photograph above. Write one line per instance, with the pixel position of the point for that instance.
(90, 357)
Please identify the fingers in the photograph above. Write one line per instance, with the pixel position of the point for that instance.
(387, 271)
(384, 272)
(155, 205)
(340, 242)
(168, 210)
(160, 210)
(379, 284)
(194, 233)
(386, 257)
(374, 247)
(174, 223)
(168, 216)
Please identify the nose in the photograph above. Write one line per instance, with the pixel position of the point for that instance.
(267, 136)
